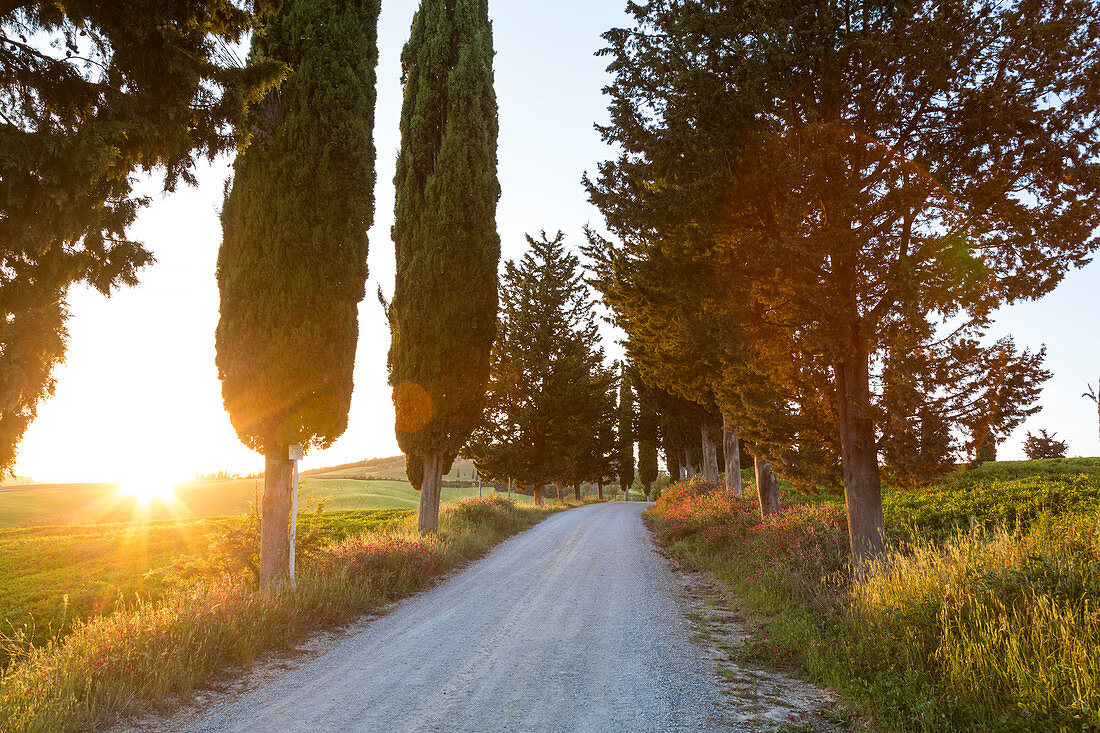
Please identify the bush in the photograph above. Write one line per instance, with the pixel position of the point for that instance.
(1041, 446)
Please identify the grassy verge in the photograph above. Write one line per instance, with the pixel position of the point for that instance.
(983, 629)
(114, 665)
(54, 577)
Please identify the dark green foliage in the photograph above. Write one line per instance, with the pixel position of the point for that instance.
(293, 262)
(985, 449)
(670, 444)
(443, 315)
(626, 430)
(863, 176)
(550, 398)
(1043, 445)
(91, 92)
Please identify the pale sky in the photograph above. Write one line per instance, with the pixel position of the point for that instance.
(139, 394)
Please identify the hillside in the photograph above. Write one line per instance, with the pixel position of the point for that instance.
(375, 484)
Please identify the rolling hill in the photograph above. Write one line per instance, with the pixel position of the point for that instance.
(378, 483)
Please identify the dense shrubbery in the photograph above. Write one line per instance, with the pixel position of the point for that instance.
(807, 545)
(973, 629)
(109, 665)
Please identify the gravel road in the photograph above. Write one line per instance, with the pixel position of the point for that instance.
(571, 626)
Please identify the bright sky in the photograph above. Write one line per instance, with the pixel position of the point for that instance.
(139, 394)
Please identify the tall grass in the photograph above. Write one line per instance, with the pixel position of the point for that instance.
(978, 630)
(114, 665)
(1012, 615)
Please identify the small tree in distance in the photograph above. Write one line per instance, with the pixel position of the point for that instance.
(626, 432)
(648, 423)
(1041, 446)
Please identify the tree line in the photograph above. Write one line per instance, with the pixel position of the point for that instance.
(816, 210)
(819, 206)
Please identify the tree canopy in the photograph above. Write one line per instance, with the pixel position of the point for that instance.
(550, 394)
(90, 93)
(292, 267)
(862, 175)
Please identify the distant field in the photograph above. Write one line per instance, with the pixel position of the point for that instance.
(391, 468)
(43, 504)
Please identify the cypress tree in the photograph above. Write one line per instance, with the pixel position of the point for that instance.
(670, 442)
(443, 315)
(293, 261)
(626, 432)
(647, 444)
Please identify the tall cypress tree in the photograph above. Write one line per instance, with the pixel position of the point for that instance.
(626, 432)
(293, 262)
(443, 315)
(647, 440)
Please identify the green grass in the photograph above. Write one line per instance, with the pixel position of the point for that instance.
(391, 468)
(992, 627)
(151, 650)
(54, 577)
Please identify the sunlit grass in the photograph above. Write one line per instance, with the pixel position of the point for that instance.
(150, 650)
(989, 628)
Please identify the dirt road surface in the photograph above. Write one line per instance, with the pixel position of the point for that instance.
(573, 625)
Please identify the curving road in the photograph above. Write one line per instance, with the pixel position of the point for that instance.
(570, 626)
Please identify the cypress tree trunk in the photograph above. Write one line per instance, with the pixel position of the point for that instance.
(561, 491)
(275, 517)
(689, 462)
(577, 492)
(710, 452)
(767, 488)
(732, 449)
(862, 483)
(599, 490)
(540, 494)
(430, 490)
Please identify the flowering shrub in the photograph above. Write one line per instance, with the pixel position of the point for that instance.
(806, 544)
(394, 566)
